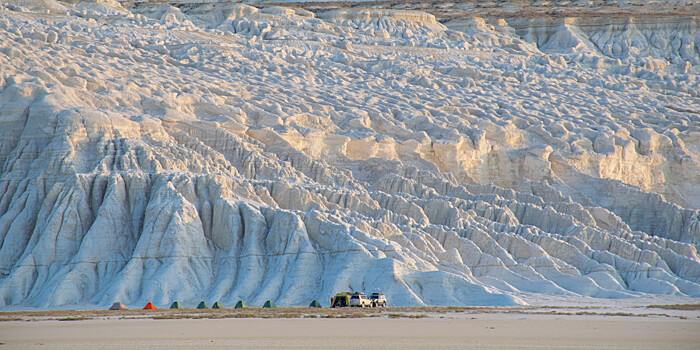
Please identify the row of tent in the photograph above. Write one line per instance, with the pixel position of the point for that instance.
(203, 305)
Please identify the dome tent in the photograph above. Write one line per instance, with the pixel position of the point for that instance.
(118, 306)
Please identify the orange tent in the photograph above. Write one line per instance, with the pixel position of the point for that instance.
(149, 306)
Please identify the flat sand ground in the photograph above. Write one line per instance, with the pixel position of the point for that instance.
(477, 331)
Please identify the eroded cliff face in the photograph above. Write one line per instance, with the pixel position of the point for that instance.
(226, 152)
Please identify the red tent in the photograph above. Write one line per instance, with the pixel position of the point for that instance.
(149, 306)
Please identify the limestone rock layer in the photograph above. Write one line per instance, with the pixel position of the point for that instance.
(219, 151)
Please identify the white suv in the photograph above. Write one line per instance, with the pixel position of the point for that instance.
(378, 299)
(360, 300)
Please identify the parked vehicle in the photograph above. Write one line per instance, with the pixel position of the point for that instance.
(378, 299)
(360, 300)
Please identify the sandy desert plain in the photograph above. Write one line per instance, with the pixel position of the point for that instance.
(512, 174)
(615, 326)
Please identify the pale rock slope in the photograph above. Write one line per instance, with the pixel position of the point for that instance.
(218, 151)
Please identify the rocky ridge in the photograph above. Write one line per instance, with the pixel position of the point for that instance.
(224, 152)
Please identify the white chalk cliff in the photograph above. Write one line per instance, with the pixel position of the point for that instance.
(218, 151)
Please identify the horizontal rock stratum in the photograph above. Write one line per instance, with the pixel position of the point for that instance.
(218, 151)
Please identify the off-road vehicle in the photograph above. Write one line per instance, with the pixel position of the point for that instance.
(360, 300)
(378, 299)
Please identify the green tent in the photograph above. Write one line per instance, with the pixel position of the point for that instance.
(341, 299)
(176, 305)
(202, 305)
(269, 305)
(217, 305)
(240, 305)
(315, 303)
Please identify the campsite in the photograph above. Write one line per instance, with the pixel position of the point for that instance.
(620, 327)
